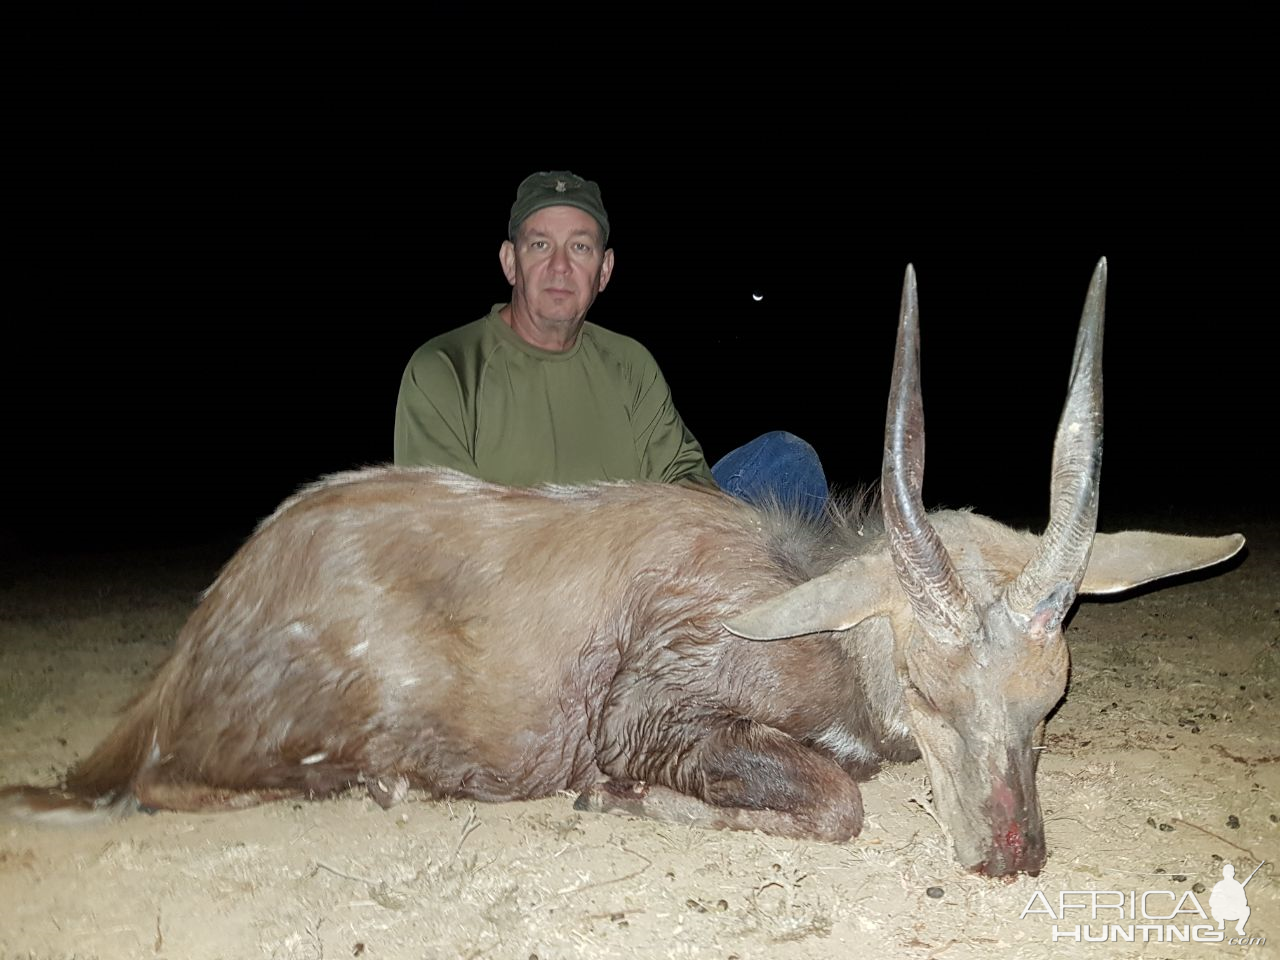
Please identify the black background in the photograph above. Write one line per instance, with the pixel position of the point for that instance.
(228, 236)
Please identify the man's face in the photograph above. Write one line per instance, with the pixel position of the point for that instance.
(556, 265)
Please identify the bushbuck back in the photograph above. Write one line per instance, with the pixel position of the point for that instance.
(402, 627)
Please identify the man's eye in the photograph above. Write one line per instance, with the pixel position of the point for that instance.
(582, 248)
(538, 244)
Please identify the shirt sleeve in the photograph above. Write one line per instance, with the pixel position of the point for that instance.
(668, 451)
(430, 426)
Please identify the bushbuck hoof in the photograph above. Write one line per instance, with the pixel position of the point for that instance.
(387, 791)
(615, 796)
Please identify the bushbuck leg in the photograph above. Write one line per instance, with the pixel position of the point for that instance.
(739, 775)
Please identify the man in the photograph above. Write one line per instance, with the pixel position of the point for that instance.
(1228, 901)
(534, 393)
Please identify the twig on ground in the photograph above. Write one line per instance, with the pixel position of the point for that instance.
(1196, 826)
(321, 865)
(469, 826)
(634, 873)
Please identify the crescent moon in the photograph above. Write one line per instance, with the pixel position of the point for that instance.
(757, 296)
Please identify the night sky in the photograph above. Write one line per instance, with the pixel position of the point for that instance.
(226, 241)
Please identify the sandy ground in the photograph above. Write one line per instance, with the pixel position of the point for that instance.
(1163, 764)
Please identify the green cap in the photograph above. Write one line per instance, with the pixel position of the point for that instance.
(557, 188)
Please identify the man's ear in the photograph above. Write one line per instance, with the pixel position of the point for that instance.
(606, 269)
(507, 257)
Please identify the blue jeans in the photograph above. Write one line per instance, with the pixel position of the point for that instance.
(778, 466)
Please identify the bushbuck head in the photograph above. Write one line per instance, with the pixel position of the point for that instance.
(977, 617)
(985, 661)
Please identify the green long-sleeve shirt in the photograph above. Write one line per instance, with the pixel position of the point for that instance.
(482, 400)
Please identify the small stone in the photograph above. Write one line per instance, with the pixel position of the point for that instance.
(1233, 822)
(1179, 878)
(934, 893)
(1166, 828)
(722, 905)
(1151, 822)
(1198, 887)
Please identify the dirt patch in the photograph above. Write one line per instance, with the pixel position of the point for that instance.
(1162, 765)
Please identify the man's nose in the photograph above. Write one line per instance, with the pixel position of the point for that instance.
(560, 259)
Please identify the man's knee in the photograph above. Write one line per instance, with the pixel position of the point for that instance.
(776, 466)
(785, 441)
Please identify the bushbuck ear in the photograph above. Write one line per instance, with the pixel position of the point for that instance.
(1122, 561)
(850, 593)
